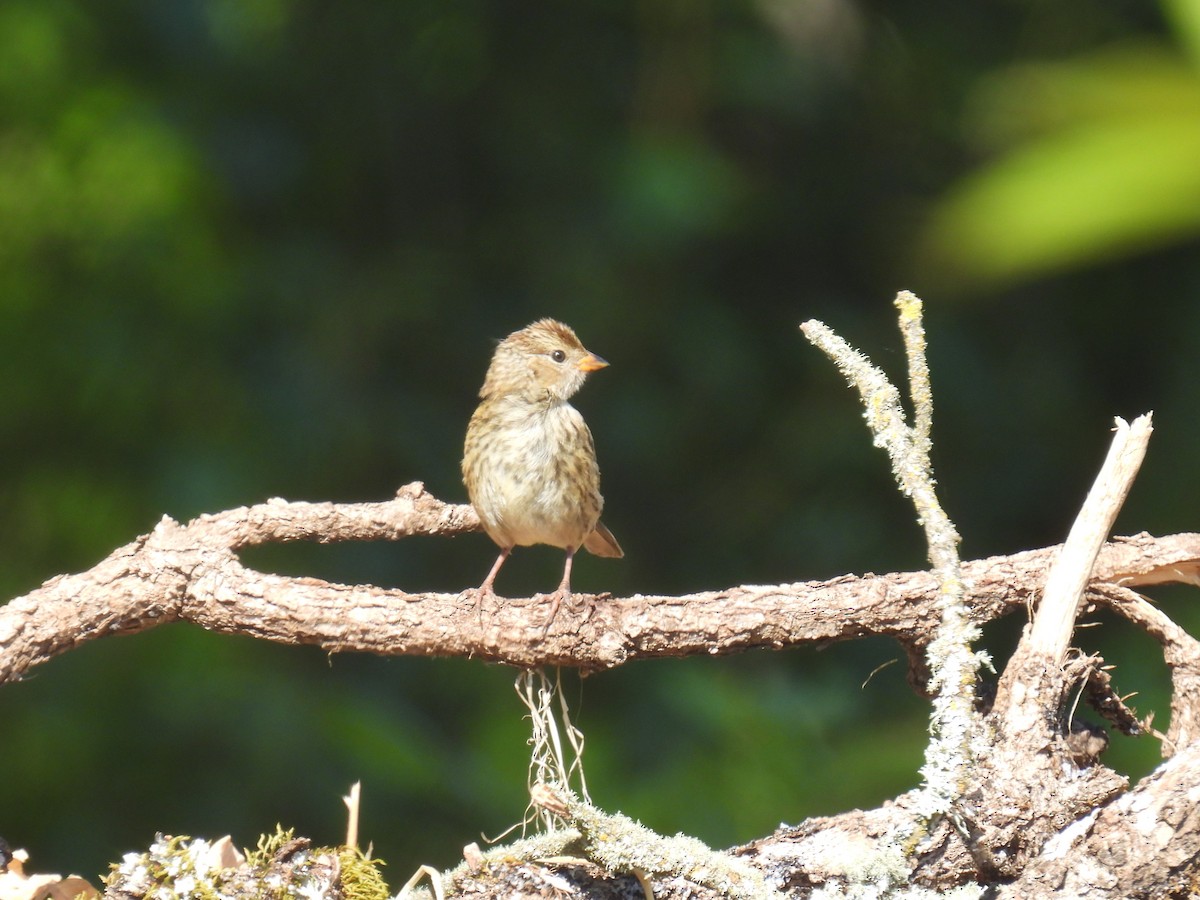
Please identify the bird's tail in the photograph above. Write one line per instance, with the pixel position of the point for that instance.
(602, 543)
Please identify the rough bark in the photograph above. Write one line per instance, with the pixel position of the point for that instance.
(1054, 822)
(1014, 800)
(192, 573)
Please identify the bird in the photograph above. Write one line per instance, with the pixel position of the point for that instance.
(529, 460)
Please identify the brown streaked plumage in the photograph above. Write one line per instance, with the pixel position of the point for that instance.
(529, 463)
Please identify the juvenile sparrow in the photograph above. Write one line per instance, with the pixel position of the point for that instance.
(529, 463)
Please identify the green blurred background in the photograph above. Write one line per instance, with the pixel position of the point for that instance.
(256, 248)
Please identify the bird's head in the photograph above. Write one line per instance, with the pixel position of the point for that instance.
(543, 360)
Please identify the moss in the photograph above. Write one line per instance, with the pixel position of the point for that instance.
(269, 846)
(282, 867)
(360, 876)
(173, 867)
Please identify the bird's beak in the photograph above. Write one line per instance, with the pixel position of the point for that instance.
(591, 363)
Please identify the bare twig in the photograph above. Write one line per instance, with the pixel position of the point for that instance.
(352, 801)
(1035, 675)
(1055, 619)
(1030, 716)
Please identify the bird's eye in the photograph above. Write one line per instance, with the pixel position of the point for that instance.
(558, 356)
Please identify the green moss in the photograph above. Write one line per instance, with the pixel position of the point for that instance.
(183, 868)
(361, 878)
(268, 846)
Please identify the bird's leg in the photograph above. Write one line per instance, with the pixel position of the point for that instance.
(485, 589)
(563, 592)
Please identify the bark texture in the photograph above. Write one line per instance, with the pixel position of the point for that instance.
(1041, 816)
(1014, 800)
(192, 573)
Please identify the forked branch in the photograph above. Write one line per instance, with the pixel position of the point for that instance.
(1002, 803)
(954, 724)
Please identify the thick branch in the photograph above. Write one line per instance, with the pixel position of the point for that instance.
(1142, 845)
(191, 573)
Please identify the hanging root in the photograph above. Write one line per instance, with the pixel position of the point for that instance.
(550, 761)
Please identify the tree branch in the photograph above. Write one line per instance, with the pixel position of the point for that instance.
(1055, 620)
(191, 573)
(955, 725)
(1027, 808)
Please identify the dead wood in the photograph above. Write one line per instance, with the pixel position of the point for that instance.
(1015, 800)
(192, 573)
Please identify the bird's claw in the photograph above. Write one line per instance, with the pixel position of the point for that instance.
(556, 600)
(480, 594)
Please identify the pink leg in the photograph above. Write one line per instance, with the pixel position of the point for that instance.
(563, 592)
(485, 589)
(564, 586)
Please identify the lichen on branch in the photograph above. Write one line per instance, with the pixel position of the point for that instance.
(955, 726)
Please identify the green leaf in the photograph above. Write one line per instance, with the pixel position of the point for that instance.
(1073, 198)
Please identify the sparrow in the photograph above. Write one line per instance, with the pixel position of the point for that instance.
(529, 462)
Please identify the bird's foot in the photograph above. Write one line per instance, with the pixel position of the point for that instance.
(481, 593)
(556, 600)
(585, 607)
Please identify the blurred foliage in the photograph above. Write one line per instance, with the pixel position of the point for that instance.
(1097, 159)
(254, 248)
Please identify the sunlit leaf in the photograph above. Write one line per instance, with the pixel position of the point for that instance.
(1096, 159)
(1073, 198)
(1130, 81)
(1185, 21)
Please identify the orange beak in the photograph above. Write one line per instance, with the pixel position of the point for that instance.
(591, 363)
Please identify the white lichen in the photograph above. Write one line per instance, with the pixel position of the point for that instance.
(955, 727)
